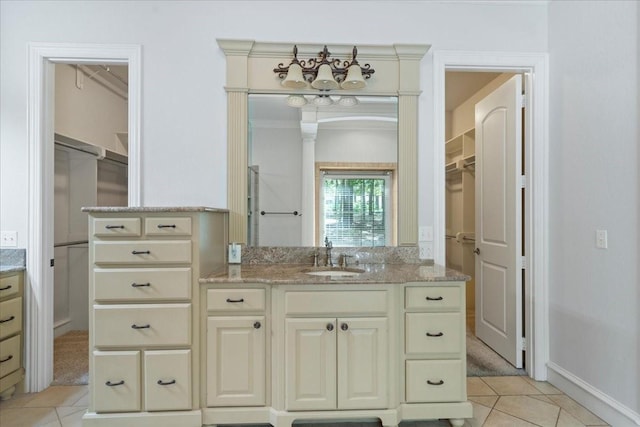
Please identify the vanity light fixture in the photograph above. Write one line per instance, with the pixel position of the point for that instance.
(323, 72)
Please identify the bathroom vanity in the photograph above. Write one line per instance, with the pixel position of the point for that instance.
(178, 337)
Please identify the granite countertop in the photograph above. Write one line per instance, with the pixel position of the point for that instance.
(12, 260)
(143, 209)
(297, 274)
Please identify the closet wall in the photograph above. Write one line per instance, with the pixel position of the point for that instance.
(460, 187)
(90, 123)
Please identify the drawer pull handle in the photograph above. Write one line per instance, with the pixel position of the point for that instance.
(6, 359)
(141, 252)
(166, 226)
(329, 327)
(140, 285)
(147, 326)
(232, 301)
(434, 299)
(6, 288)
(8, 319)
(110, 384)
(439, 334)
(257, 325)
(435, 383)
(160, 382)
(344, 327)
(111, 227)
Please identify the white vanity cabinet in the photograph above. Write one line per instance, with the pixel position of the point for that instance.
(145, 312)
(11, 370)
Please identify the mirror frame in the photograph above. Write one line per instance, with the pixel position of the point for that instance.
(250, 67)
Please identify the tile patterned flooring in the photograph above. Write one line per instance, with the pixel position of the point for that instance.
(497, 402)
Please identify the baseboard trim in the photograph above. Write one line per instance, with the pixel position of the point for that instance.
(601, 404)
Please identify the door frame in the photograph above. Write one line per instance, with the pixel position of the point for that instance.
(42, 58)
(535, 297)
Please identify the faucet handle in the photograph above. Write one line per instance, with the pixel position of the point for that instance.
(344, 263)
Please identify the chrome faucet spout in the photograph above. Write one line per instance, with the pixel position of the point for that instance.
(329, 245)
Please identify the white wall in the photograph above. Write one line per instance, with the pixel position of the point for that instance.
(594, 294)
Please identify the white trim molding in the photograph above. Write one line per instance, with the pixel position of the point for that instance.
(39, 277)
(535, 65)
(603, 405)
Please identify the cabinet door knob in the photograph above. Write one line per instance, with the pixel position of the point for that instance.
(435, 382)
(476, 251)
(110, 384)
(257, 325)
(329, 327)
(160, 382)
(344, 327)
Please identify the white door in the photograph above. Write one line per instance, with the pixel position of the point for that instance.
(499, 220)
(362, 363)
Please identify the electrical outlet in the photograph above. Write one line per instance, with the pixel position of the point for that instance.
(425, 234)
(601, 239)
(425, 250)
(9, 238)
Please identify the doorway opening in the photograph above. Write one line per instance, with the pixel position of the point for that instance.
(534, 217)
(39, 289)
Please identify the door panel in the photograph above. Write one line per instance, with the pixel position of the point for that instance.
(499, 220)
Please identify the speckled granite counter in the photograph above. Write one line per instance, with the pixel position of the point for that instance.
(142, 209)
(12, 260)
(297, 274)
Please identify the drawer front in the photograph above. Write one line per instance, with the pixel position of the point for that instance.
(10, 285)
(336, 302)
(435, 381)
(10, 355)
(167, 380)
(143, 252)
(142, 325)
(141, 284)
(434, 333)
(433, 298)
(116, 381)
(116, 227)
(162, 226)
(236, 300)
(10, 317)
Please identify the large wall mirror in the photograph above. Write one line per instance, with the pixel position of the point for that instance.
(322, 148)
(336, 156)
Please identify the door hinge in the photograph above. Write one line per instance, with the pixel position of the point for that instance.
(523, 181)
(523, 343)
(523, 101)
(523, 262)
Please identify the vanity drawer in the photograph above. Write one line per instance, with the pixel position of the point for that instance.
(141, 284)
(142, 325)
(435, 381)
(236, 300)
(163, 226)
(143, 252)
(167, 380)
(116, 381)
(10, 285)
(433, 298)
(10, 317)
(116, 227)
(336, 302)
(10, 355)
(435, 333)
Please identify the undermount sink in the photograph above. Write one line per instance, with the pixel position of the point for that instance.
(336, 273)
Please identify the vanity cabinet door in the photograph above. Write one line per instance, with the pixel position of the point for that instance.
(362, 363)
(310, 360)
(236, 363)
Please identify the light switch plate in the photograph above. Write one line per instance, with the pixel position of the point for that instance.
(425, 233)
(601, 239)
(9, 238)
(235, 253)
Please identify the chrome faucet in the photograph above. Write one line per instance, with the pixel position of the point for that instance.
(329, 246)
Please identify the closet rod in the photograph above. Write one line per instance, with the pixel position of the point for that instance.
(73, 243)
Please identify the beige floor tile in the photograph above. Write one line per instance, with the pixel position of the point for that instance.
(58, 396)
(487, 401)
(506, 386)
(17, 401)
(500, 419)
(567, 420)
(21, 417)
(543, 386)
(72, 419)
(524, 407)
(542, 398)
(480, 414)
(477, 387)
(83, 401)
(578, 411)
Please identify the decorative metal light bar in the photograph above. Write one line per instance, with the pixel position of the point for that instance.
(323, 72)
